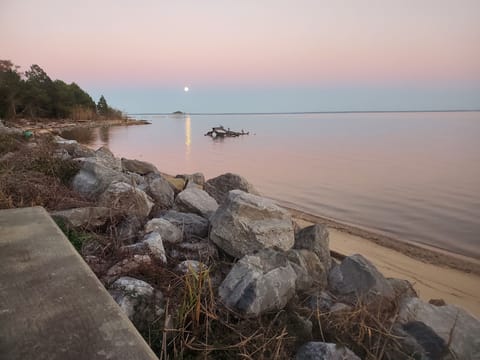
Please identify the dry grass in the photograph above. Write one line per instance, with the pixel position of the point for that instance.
(35, 176)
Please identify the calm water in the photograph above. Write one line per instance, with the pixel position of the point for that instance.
(413, 176)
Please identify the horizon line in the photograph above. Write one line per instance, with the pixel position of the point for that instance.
(304, 112)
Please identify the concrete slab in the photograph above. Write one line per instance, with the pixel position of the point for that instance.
(52, 306)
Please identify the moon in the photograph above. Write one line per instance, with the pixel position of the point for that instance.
(186, 89)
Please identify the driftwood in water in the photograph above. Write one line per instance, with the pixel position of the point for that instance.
(220, 131)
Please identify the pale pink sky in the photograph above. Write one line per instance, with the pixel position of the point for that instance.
(246, 43)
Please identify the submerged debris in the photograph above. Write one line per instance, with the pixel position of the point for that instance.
(220, 131)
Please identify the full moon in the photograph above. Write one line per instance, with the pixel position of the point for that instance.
(186, 89)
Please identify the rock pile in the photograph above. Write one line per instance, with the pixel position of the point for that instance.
(190, 226)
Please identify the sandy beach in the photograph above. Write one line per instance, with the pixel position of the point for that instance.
(434, 274)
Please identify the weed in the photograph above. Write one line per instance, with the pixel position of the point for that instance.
(77, 238)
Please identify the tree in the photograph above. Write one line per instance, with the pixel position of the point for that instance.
(102, 106)
(10, 89)
(38, 92)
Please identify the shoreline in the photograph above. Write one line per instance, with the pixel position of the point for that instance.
(46, 125)
(421, 252)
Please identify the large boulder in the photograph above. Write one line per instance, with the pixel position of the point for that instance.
(128, 229)
(315, 350)
(138, 167)
(220, 186)
(311, 273)
(105, 157)
(454, 325)
(197, 201)
(94, 177)
(126, 199)
(161, 192)
(73, 148)
(357, 279)
(246, 223)
(84, 218)
(169, 232)
(191, 225)
(139, 300)
(259, 283)
(316, 239)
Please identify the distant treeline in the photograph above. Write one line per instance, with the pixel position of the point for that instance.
(33, 94)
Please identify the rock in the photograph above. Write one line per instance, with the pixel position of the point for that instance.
(126, 266)
(437, 302)
(161, 192)
(128, 229)
(219, 186)
(94, 177)
(139, 300)
(198, 250)
(259, 283)
(197, 201)
(105, 157)
(126, 199)
(310, 271)
(166, 229)
(177, 184)
(189, 266)
(315, 238)
(154, 244)
(74, 149)
(197, 178)
(191, 225)
(454, 325)
(138, 167)
(402, 288)
(433, 346)
(324, 351)
(322, 301)
(246, 223)
(84, 218)
(357, 279)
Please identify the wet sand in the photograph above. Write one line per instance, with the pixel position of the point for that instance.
(435, 274)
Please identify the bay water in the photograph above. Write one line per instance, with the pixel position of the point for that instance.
(414, 176)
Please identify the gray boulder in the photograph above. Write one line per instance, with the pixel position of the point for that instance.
(199, 250)
(73, 148)
(315, 238)
(246, 223)
(169, 232)
(139, 300)
(84, 218)
(126, 266)
(105, 157)
(259, 283)
(138, 167)
(153, 242)
(219, 187)
(324, 351)
(191, 225)
(356, 278)
(454, 325)
(126, 199)
(197, 201)
(161, 191)
(94, 177)
(310, 271)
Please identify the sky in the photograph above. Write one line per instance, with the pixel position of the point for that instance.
(254, 56)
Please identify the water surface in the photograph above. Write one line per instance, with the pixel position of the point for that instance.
(413, 176)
